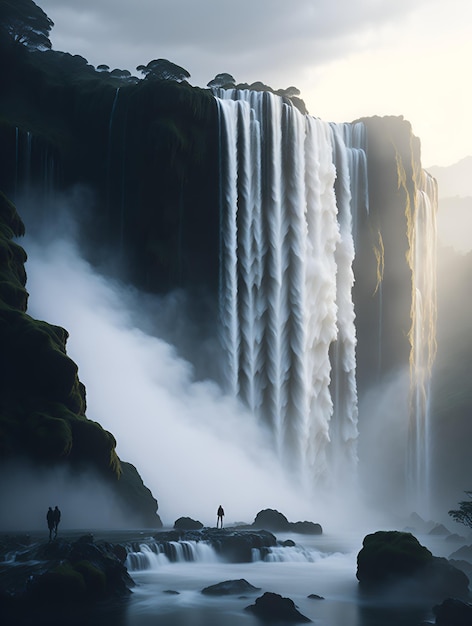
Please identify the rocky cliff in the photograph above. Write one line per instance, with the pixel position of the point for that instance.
(42, 401)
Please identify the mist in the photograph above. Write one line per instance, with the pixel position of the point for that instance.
(194, 447)
(29, 491)
(149, 364)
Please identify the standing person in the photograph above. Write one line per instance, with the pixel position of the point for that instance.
(50, 521)
(57, 519)
(220, 514)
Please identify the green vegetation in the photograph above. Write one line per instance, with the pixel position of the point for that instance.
(25, 24)
(463, 515)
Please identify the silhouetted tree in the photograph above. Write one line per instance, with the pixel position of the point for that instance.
(25, 23)
(463, 514)
(225, 81)
(162, 69)
(289, 92)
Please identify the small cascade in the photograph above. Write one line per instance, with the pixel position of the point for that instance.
(153, 555)
(343, 427)
(35, 169)
(109, 177)
(355, 139)
(422, 337)
(287, 554)
(286, 277)
(17, 160)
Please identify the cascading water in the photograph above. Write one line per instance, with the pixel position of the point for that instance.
(286, 256)
(422, 336)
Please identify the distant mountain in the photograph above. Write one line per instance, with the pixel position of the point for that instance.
(455, 204)
(455, 180)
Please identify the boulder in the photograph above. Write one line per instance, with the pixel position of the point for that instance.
(273, 520)
(306, 528)
(187, 523)
(230, 587)
(387, 555)
(272, 607)
(453, 612)
(391, 557)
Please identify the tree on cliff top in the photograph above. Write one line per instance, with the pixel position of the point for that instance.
(463, 514)
(224, 80)
(162, 69)
(25, 23)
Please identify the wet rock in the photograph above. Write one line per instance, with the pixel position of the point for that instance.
(315, 596)
(235, 546)
(230, 587)
(453, 612)
(272, 607)
(273, 520)
(270, 519)
(187, 523)
(391, 557)
(306, 528)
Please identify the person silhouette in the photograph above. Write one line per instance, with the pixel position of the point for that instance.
(219, 516)
(56, 519)
(50, 521)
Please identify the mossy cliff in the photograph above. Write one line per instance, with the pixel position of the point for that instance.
(42, 401)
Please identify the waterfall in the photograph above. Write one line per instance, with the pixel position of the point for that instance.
(422, 337)
(285, 295)
(152, 555)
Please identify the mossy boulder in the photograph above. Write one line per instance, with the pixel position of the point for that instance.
(387, 555)
(61, 585)
(392, 558)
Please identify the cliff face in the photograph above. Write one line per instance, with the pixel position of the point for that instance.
(42, 402)
(384, 277)
(147, 153)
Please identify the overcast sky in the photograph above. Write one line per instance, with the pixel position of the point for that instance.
(349, 58)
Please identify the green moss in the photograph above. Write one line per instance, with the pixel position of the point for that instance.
(390, 554)
(93, 443)
(9, 216)
(50, 437)
(95, 579)
(61, 585)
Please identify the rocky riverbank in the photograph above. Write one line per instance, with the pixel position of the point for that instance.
(81, 580)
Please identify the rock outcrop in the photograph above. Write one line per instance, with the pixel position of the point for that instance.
(390, 558)
(235, 546)
(42, 401)
(453, 612)
(273, 520)
(230, 587)
(272, 607)
(187, 523)
(61, 580)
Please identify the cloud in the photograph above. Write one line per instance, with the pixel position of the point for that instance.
(267, 37)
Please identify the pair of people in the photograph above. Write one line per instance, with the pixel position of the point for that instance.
(53, 518)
